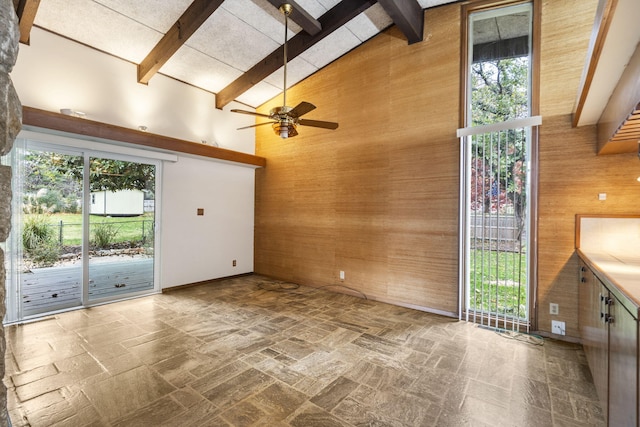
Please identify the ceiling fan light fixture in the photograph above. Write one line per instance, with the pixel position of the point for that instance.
(284, 129)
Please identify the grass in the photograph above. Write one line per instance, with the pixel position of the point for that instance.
(499, 282)
(129, 229)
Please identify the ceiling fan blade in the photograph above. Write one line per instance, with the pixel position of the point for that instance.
(258, 124)
(302, 109)
(318, 124)
(251, 113)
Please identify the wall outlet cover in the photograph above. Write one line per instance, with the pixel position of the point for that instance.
(557, 327)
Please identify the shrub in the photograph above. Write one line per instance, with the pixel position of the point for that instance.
(36, 230)
(38, 240)
(104, 234)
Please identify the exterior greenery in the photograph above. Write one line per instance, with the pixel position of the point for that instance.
(500, 91)
(38, 240)
(52, 205)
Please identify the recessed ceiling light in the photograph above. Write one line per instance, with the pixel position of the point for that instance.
(142, 128)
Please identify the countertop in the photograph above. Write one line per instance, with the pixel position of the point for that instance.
(620, 273)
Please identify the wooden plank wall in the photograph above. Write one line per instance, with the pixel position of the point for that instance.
(378, 198)
(571, 174)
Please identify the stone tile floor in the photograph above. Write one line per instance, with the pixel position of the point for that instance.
(237, 353)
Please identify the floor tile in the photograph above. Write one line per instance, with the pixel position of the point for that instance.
(127, 392)
(234, 353)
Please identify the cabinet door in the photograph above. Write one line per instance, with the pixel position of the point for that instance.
(623, 366)
(586, 307)
(600, 332)
(593, 329)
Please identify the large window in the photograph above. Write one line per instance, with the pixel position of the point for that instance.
(497, 152)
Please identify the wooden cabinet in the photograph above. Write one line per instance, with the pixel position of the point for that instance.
(594, 330)
(623, 365)
(609, 332)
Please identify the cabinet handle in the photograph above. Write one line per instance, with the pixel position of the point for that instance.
(583, 269)
(583, 279)
(608, 301)
(609, 319)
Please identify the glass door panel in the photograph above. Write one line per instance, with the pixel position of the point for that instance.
(121, 213)
(49, 267)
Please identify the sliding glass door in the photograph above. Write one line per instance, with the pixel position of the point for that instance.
(83, 228)
(121, 227)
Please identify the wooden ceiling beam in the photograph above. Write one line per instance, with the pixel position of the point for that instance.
(408, 16)
(339, 15)
(300, 16)
(26, 11)
(192, 18)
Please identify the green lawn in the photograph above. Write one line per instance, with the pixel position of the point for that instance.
(499, 282)
(127, 228)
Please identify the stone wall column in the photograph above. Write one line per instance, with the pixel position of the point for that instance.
(10, 125)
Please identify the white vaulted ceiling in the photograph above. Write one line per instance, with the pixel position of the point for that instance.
(236, 37)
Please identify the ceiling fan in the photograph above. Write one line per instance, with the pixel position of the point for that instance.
(285, 119)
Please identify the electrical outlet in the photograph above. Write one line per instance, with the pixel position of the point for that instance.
(341, 275)
(234, 263)
(557, 327)
(553, 308)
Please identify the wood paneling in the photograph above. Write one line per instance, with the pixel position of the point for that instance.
(382, 190)
(571, 177)
(377, 198)
(563, 51)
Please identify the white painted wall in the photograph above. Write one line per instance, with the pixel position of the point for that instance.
(54, 73)
(197, 248)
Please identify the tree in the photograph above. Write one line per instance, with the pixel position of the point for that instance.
(47, 168)
(45, 188)
(53, 181)
(499, 92)
(108, 174)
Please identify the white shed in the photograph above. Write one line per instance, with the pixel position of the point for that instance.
(117, 203)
